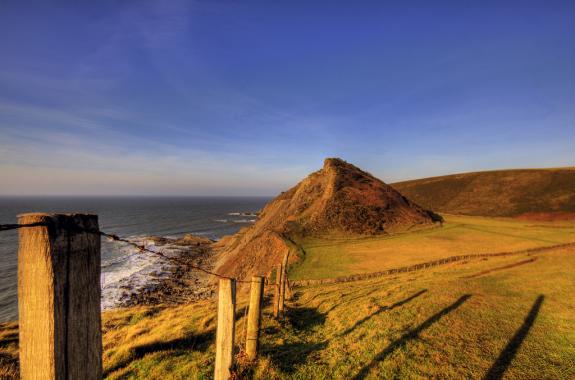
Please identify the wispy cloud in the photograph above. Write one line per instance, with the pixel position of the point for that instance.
(196, 97)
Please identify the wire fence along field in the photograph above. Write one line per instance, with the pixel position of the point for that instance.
(140, 247)
(59, 295)
(59, 298)
(429, 264)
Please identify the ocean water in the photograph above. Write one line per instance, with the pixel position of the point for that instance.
(130, 217)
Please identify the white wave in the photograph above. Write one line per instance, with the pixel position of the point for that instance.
(131, 272)
(245, 221)
(242, 214)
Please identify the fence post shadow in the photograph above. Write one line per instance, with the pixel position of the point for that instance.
(289, 355)
(381, 309)
(410, 335)
(506, 357)
(196, 342)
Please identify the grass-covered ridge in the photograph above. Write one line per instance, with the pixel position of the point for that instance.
(496, 193)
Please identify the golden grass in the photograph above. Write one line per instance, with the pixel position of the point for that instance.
(333, 256)
(8, 350)
(432, 323)
(505, 315)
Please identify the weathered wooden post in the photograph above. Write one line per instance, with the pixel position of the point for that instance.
(277, 290)
(283, 282)
(59, 297)
(254, 315)
(226, 329)
(289, 292)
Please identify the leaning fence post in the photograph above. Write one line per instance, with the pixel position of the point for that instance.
(288, 292)
(226, 329)
(283, 282)
(254, 315)
(277, 291)
(59, 297)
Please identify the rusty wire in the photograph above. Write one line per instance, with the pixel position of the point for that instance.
(139, 247)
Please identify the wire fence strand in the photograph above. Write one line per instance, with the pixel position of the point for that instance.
(8, 227)
(139, 247)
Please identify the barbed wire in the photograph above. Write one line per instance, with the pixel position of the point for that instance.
(8, 227)
(142, 248)
(139, 247)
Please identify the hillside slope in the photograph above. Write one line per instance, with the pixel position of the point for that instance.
(339, 198)
(484, 319)
(505, 317)
(497, 193)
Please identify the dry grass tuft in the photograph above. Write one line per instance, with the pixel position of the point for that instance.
(9, 368)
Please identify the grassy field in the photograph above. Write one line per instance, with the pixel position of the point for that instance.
(465, 320)
(333, 256)
(510, 317)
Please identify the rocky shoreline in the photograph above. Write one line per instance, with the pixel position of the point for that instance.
(183, 284)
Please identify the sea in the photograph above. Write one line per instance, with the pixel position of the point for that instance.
(123, 269)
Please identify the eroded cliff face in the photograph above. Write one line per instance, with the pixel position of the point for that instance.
(339, 198)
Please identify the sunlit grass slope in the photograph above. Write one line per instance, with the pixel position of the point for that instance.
(335, 256)
(496, 193)
(511, 316)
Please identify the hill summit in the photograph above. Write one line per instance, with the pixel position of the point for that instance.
(339, 198)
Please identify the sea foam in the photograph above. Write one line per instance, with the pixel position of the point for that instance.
(129, 271)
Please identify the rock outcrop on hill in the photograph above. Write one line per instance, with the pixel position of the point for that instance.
(338, 199)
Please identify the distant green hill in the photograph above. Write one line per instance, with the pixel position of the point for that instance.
(497, 193)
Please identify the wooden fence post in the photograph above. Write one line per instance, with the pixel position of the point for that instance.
(283, 282)
(277, 291)
(59, 297)
(254, 315)
(226, 329)
(289, 292)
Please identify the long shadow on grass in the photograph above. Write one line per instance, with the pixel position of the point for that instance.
(198, 342)
(350, 300)
(9, 338)
(508, 266)
(413, 334)
(381, 310)
(504, 360)
(288, 356)
(305, 318)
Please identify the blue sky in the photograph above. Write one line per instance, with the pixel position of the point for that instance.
(246, 98)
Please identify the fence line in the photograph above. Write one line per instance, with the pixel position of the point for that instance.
(59, 299)
(114, 237)
(300, 283)
(416, 267)
(59, 266)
